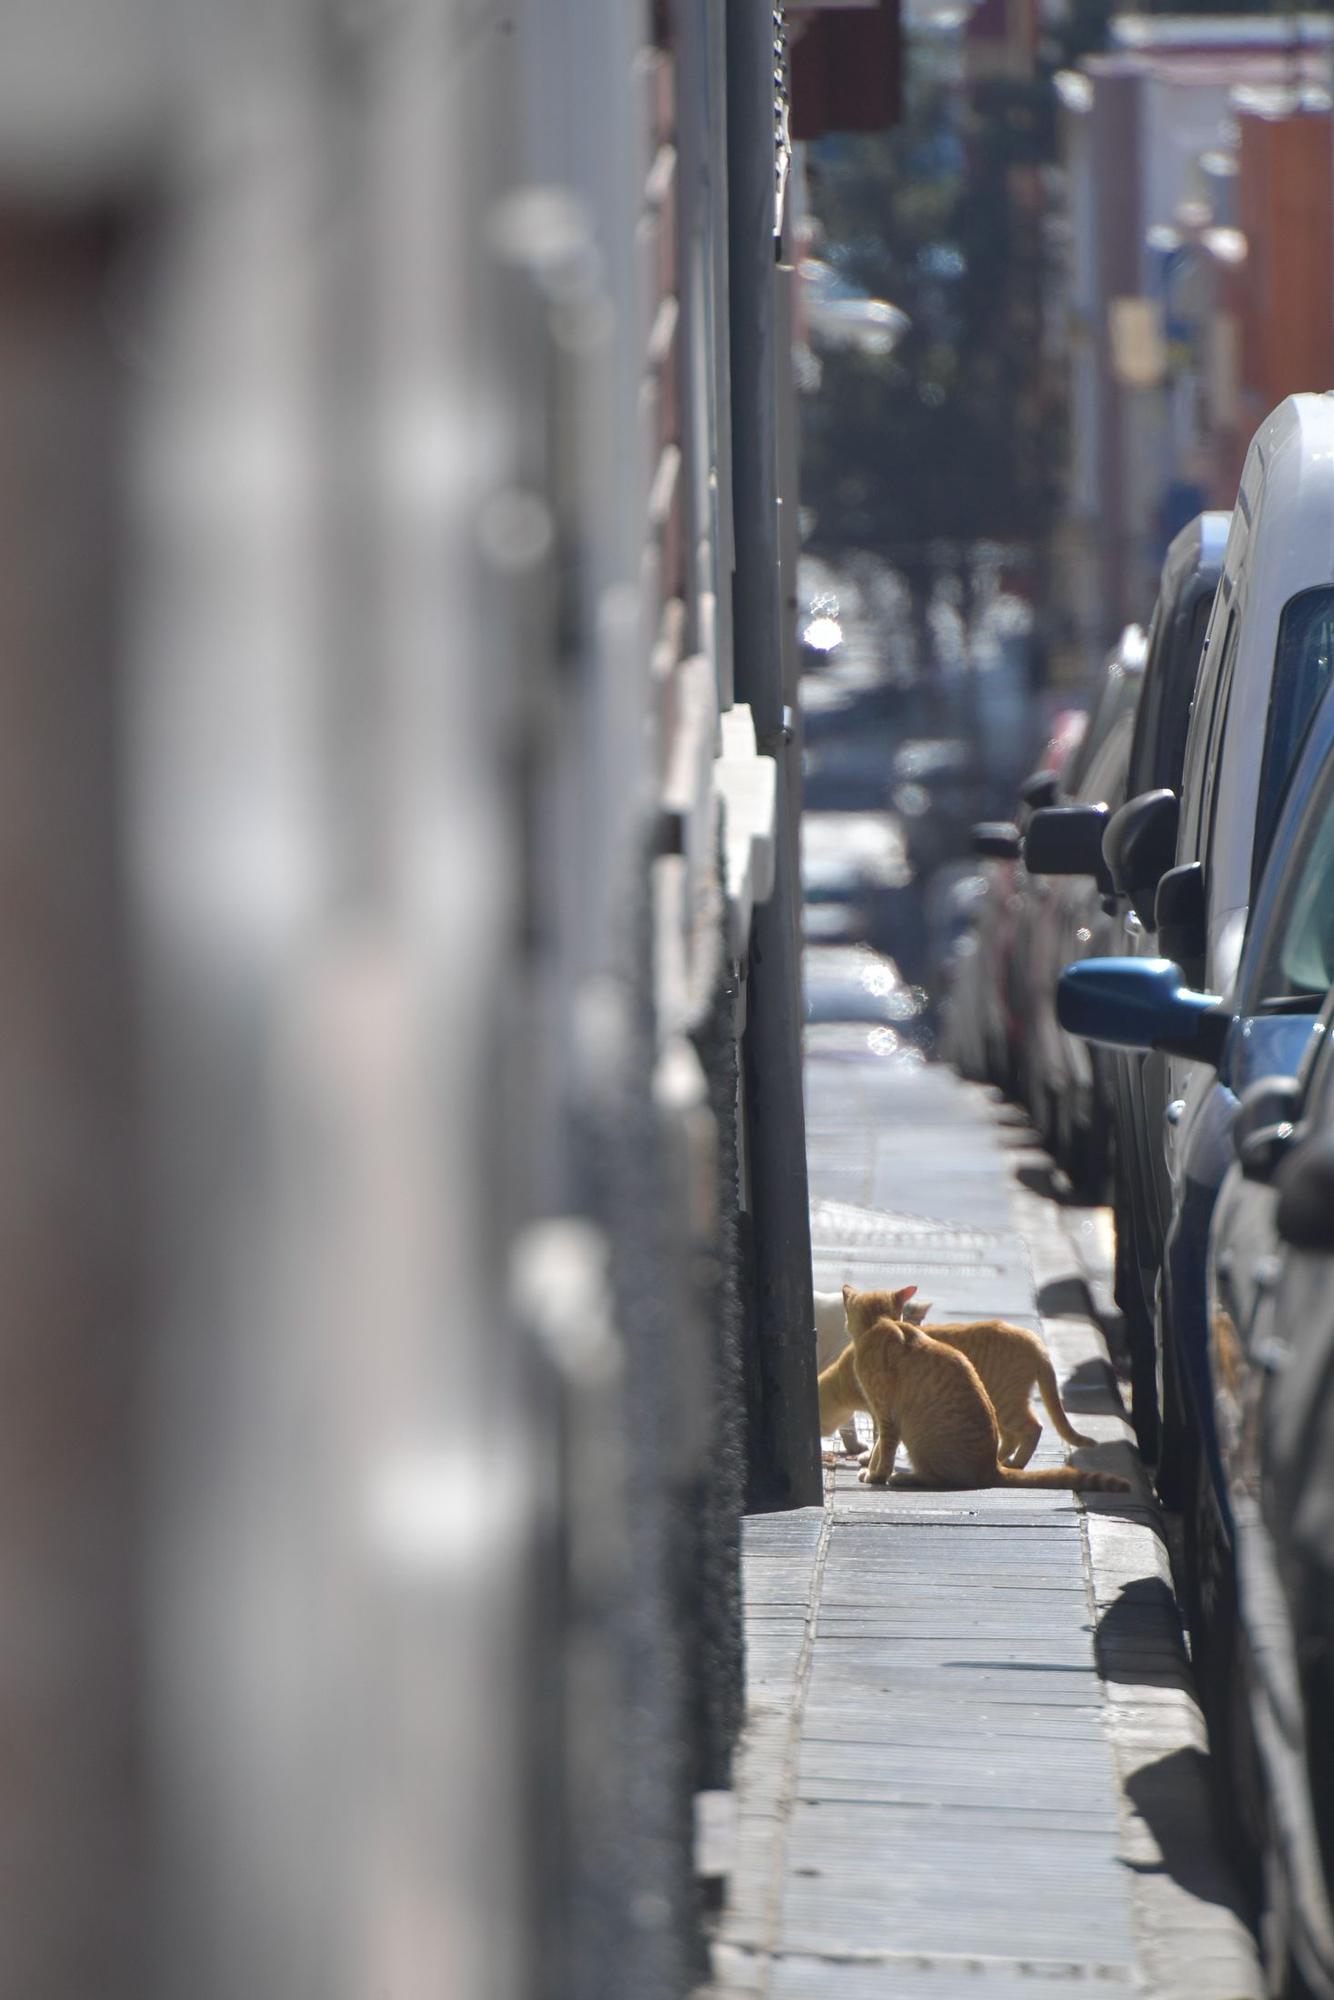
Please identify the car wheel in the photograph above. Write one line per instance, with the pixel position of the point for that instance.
(1218, 1656)
(1136, 1322)
(1085, 1161)
(1177, 1449)
(1144, 1412)
(1276, 1926)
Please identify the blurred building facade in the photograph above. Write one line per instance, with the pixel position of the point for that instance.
(1196, 284)
(405, 1213)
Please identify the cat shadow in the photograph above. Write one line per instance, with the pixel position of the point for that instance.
(1050, 1183)
(1063, 1298)
(1172, 1796)
(1068, 1298)
(1138, 1637)
(1090, 1391)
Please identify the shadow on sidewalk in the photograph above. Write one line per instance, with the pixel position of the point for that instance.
(1090, 1391)
(1042, 1178)
(1139, 1637)
(1064, 1298)
(1173, 1798)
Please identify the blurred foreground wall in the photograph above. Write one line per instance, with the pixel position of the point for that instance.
(381, 848)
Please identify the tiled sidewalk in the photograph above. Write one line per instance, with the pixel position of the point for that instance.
(973, 1765)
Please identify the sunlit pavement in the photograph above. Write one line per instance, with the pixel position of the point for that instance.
(973, 1762)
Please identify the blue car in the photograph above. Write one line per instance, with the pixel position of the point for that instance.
(1263, 1031)
(1271, 1341)
(1267, 666)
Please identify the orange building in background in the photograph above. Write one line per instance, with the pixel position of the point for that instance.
(1285, 196)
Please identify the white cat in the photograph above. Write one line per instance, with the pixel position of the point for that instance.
(832, 1336)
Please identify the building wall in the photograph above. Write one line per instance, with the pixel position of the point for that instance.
(1286, 213)
(385, 842)
(1224, 277)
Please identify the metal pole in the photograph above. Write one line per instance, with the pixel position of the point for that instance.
(783, 1445)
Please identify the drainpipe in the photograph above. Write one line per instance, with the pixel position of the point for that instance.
(783, 1458)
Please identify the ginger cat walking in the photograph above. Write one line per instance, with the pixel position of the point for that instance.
(1010, 1360)
(929, 1397)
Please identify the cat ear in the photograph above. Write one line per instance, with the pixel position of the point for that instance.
(848, 1295)
(901, 1298)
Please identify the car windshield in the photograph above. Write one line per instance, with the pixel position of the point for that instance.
(1303, 668)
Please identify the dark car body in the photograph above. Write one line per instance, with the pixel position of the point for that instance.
(1263, 1033)
(1268, 1022)
(1271, 1353)
(1142, 1191)
(1065, 917)
(984, 1011)
(1136, 1080)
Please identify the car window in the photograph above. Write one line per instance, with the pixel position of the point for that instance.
(1183, 661)
(1156, 667)
(1303, 667)
(1207, 812)
(1158, 753)
(1192, 780)
(1299, 966)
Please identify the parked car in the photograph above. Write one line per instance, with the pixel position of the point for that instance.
(1264, 1028)
(1141, 1189)
(1271, 1327)
(1271, 1318)
(981, 1016)
(839, 314)
(854, 868)
(953, 897)
(1268, 659)
(1069, 916)
(855, 983)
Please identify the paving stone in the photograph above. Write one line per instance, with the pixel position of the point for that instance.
(908, 1978)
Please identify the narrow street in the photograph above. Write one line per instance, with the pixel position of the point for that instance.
(973, 1758)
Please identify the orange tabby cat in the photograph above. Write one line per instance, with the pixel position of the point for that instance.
(1010, 1360)
(930, 1398)
(840, 1393)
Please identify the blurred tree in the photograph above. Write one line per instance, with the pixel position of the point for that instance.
(947, 441)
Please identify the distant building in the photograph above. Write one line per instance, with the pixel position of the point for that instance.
(1197, 288)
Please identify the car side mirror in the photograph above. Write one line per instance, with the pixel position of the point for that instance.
(1141, 1003)
(1305, 1215)
(1067, 840)
(1179, 914)
(1039, 789)
(996, 840)
(1139, 847)
(1262, 1130)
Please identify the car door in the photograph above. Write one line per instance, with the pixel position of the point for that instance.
(1186, 1084)
(1283, 982)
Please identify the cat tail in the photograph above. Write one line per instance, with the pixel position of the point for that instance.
(1073, 1477)
(1051, 1396)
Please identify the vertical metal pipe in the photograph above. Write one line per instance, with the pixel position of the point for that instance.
(783, 1448)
